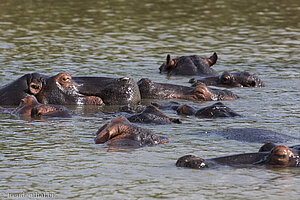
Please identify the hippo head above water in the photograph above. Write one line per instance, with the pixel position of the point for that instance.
(227, 79)
(62, 90)
(189, 65)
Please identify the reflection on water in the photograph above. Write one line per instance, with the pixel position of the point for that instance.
(132, 38)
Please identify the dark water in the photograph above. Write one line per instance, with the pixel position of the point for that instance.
(132, 38)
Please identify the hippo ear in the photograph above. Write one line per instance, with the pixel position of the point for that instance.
(211, 60)
(170, 62)
(102, 137)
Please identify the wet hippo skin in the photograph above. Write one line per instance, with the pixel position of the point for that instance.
(227, 79)
(279, 156)
(120, 132)
(189, 65)
(12, 93)
(153, 90)
(152, 114)
(62, 90)
(29, 107)
(113, 91)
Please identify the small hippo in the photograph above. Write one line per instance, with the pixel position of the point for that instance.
(279, 156)
(227, 79)
(28, 84)
(152, 114)
(30, 107)
(62, 90)
(153, 90)
(189, 65)
(113, 91)
(120, 132)
(213, 111)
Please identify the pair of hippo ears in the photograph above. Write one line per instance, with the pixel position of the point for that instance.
(208, 61)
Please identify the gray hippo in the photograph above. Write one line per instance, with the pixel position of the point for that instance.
(153, 90)
(29, 107)
(189, 65)
(113, 91)
(28, 84)
(151, 114)
(62, 90)
(120, 132)
(279, 156)
(227, 79)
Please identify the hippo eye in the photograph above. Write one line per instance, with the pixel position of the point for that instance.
(252, 83)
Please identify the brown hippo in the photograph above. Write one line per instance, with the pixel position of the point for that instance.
(153, 90)
(213, 111)
(120, 132)
(28, 84)
(279, 156)
(62, 90)
(189, 65)
(152, 114)
(227, 79)
(113, 91)
(30, 107)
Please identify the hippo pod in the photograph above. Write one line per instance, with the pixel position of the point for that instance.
(279, 156)
(227, 79)
(189, 65)
(153, 90)
(113, 91)
(150, 114)
(28, 84)
(120, 132)
(30, 107)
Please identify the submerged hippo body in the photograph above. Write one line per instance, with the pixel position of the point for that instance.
(152, 114)
(189, 65)
(28, 84)
(120, 132)
(226, 79)
(153, 90)
(213, 111)
(29, 107)
(255, 135)
(62, 90)
(113, 91)
(279, 156)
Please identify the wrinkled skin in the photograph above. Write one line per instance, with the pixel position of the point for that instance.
(152, 114)
(255, 135)
(216, 110)
(29, 107)
(62, 90)
(279, 156)
(120, 132)
(28, 84)
(113, 91)
(226, 79)
(189, 65)
(152, 90)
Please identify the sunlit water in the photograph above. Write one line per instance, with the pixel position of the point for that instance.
(132, 38)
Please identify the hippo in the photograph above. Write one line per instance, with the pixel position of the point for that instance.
(279, 156)
(227, 79)
(120, 132)
(28, 84)
(189, 65)
(153, 90)
(255, 135)
(213, 111)
(29, 107)
(152, 114)
(62, 90)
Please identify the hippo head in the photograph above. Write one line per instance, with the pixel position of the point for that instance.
(121, 132)
(216, 110)
(61, 89)
(239, 79)
(282, 156)
(192, 161)
(189, 65)
(25, 106)
(185, 110)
